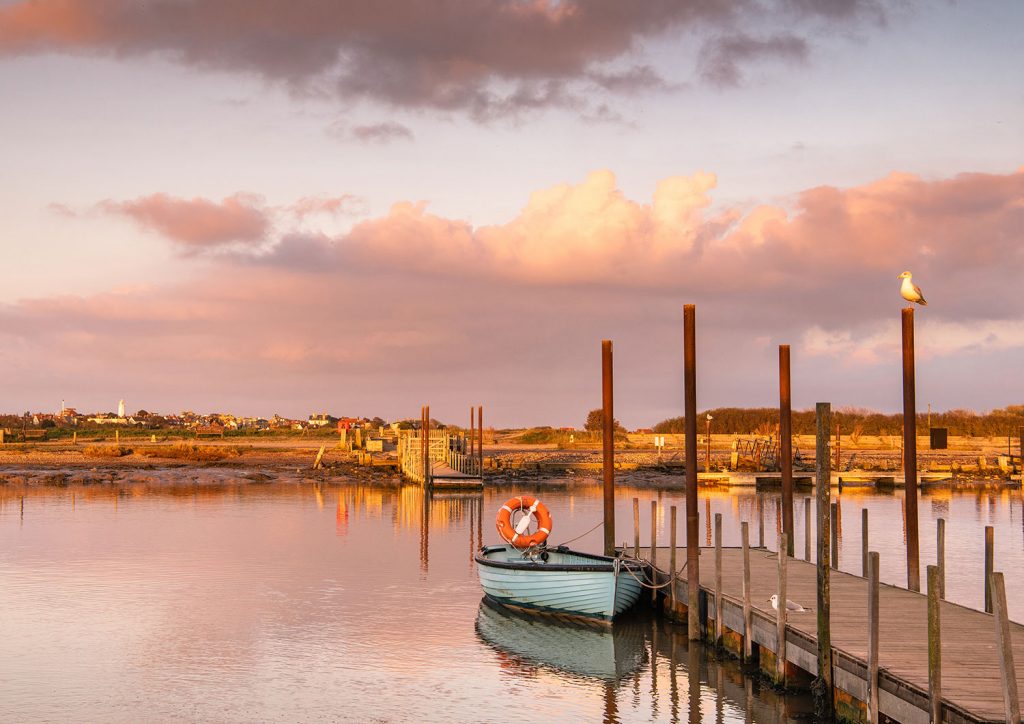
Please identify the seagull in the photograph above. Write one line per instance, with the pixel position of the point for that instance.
(791, 606)
(910, 291)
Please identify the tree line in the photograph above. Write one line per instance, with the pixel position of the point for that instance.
(765, 421)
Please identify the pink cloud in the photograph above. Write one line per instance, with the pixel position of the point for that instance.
(414, 305)
(485, 57)
(198, 224)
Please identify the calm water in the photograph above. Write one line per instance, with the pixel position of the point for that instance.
(290, 602)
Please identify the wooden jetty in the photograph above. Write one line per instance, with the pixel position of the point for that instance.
(442, 459)
(972, 686)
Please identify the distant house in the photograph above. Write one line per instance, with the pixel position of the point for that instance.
(321, 420)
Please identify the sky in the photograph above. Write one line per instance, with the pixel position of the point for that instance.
(260, 207)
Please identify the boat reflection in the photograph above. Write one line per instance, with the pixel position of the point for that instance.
(569, 646)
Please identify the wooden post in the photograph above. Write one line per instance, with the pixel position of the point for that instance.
(872, 576)
(654, 545)
(608, 448)
(718, 579)
(760, 522)
(690, 412)
(839, 447)
(74, 438)
(940, 554)
(636, 527)
(429, 472)
(786, 445)
(807, 529)
(934, 647)
(864, 542)
(989, 566)
(480, 432)
(1011, 701)
(472, 433)
(834, 518)
(672, 556)
(910, 451)
(824, 702)
(748, 624)
(780, 613)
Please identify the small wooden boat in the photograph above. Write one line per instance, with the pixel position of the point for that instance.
(559, 580)
(591, 650)
(524, 573)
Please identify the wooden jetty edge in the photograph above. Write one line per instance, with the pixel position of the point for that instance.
(972, 685)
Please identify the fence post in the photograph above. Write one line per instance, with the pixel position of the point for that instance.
(934, 646)
(748, 644)
(1006, 666)
(872, 576)
(824, 691)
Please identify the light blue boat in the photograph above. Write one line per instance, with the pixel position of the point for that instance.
(560, 580)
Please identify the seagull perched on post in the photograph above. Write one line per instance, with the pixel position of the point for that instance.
(791, 606)
(910, 291)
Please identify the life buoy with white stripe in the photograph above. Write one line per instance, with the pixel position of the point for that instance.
(530, 507)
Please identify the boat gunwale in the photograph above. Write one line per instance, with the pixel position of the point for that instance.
(604, 564)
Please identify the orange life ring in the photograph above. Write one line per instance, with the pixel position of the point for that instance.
(516, 534)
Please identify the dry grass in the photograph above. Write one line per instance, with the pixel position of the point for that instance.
(106, 451)
(192, 452)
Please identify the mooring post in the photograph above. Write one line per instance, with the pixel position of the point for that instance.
(934, 647)
(834, 519)
(910, 451)
(807, 529)
(472, 434)
(780, 613)
(654, 547)
(872, 576)
(823, 687)
(480, 432)
(748, 623)
(786, 445)
(1011, 700)
(864, 542)
(989, 565)
(690, 412)
(608, 440)
(718, 579)
(430, 467)
(636, 527)
(940, 554)
(760, 521)
(672, 556)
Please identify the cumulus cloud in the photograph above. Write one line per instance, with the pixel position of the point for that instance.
(517, 309)
(198, 224)
(485, 57)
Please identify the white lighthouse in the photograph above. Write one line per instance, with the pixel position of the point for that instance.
(120, 408)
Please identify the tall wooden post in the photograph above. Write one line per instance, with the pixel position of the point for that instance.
(934, 647)
(480, 432)
(672, 556)
(807, 529)
(940, 554)
(1011, 702)
(718, 579)
(989, 565)
(609, 448)
(472, 433)
(872, 576)
(748, 622)
(834, 516)
(636, 528)
(428, 471)
(910, 451)
(780, 614)
(690, 412)
(786, 444)
(864, 542)
(654, 546)
(823, 686)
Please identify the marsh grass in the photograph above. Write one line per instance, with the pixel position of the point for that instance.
(192, 452)
(106, 451)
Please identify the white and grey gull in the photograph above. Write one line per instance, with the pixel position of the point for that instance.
(910, 291)
(791, 606)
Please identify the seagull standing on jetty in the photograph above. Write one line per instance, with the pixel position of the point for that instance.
(791, 606)
(910, 291)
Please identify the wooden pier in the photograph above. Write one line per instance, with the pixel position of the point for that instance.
(971, 679)
(441, 459)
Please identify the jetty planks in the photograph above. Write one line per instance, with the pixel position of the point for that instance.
(971, 679)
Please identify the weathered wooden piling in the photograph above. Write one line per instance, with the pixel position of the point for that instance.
(780, 613)
(864, 542)
(934, 646)
(1011, 698)
(989, 565)
(748, 622)
(760, 522)
(480, 432)
(718, 579)
(940, 554)
(834, 520)
(472, 432)
(807, 529)
(654, 545)
(672, 555)
(910, 451)
(786, 444)
(636, 527)
(872, 688)
(824, 705)
(609, 448)
(690, 412)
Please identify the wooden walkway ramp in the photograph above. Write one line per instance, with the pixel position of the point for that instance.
(972, 689)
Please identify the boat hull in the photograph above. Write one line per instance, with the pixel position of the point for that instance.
(568, 582)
